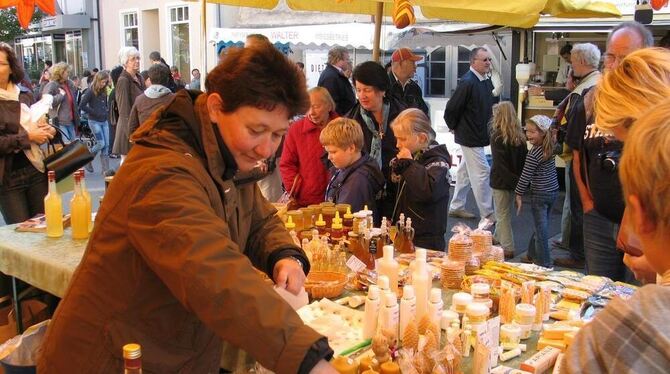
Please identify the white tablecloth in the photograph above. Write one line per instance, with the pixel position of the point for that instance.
(46, 263)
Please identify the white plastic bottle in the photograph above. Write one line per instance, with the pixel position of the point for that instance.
(371, 314)
(388, 266)
(435, 306)
(383, 283)
(407, 308)
(421, 284)
(389, 314)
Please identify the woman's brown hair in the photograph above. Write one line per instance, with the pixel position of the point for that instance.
(17, 74)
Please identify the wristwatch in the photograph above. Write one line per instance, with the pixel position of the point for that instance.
(296, 259)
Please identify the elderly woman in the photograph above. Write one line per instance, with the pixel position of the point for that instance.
(375, 112)
(129, 86)
(301, 158)
(171, 263)
(639, 83)
(23, 183)
(64, 108)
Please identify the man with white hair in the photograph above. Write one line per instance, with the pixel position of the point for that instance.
(595, 162)
(585, 59)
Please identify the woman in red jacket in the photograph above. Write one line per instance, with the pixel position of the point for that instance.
(301, 158)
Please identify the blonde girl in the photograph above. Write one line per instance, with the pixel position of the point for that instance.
(508, 151)
(421, 168)
(539, 176)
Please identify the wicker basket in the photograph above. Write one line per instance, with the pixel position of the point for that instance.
(320, 284)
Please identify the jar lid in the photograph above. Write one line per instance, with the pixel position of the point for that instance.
(461, 298)
(525, 310)
(480, 288)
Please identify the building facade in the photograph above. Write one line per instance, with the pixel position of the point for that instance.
(72, 36)
(174, 28)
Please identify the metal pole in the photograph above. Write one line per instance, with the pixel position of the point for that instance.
(203, 43)
(378, 31)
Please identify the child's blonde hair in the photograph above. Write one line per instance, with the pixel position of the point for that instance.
(505, 125)
(342, 132)
(645, 164)
(414, 121)
(543, 125)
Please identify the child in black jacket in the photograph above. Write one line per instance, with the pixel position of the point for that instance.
(421, 170)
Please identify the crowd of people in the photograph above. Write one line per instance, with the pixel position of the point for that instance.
(185, 221)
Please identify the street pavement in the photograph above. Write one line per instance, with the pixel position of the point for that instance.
(522, 225)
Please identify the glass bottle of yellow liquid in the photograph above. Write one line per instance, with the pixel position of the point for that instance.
(87, 196)
(78, 211)
(53, 209)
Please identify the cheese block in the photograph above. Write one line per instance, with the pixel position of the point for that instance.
(556, 331)
(544, 342)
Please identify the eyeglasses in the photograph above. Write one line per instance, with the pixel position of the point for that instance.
(489, 59)
(611, 57)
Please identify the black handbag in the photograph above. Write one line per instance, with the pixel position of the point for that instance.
(67, 160)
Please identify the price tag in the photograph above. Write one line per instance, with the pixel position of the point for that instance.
(355, 264)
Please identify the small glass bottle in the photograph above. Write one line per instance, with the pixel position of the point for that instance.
(87, 196)
(399, 240)
(348, 221)
(132, 359)
(78, 211)
(336, 231)
(53, 209)
(320, 225)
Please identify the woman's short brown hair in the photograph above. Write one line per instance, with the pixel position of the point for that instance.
(262, 78)
(17, 74)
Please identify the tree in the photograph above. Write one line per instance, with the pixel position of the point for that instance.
(9, 24)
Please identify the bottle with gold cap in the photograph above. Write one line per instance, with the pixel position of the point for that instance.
(290, 227)
(132, 359)
(347, 221)
(320, 225)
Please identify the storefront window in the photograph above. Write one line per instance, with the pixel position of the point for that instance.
(75, 52)
(179, 29)
(130, 30)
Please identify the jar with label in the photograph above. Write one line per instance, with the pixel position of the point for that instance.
(477, 313)
(307, 217)
(481, 294)
(460, 301)
(297, 217)
(510, 336)
(358, 218)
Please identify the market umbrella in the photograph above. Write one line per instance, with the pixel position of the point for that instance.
(26, 8)
(512, 13)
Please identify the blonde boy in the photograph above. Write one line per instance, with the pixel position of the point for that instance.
(633, 336)
(356, 178)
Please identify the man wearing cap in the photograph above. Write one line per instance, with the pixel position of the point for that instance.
(333, 79)
(403, 87)
(467, 114)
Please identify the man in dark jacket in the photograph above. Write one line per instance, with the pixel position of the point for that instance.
(153, 97)
(155, 58)
(403, 87)
(170, 263)
(467, 114)
(333, 79)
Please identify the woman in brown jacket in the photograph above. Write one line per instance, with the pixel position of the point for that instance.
(170, 262)
(129, 86)
(23, 185)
